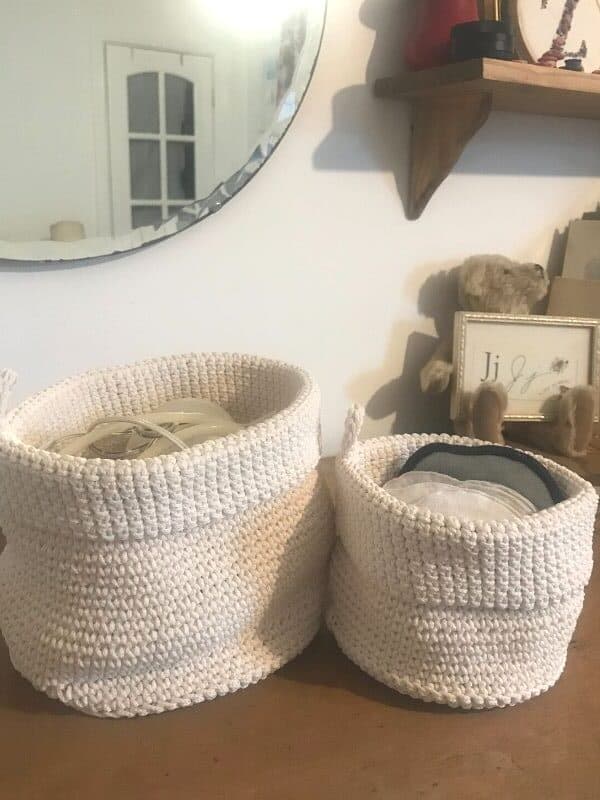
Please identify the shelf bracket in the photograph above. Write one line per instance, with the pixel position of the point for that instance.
(441, 129)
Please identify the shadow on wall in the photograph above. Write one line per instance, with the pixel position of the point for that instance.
(558, 251)
(529, 145)
(369, 135)
(374, 135)
(401, 398)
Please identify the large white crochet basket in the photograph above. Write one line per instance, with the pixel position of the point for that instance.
(470, 615)
(134, 587)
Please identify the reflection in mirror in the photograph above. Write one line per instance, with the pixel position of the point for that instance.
(126, 121)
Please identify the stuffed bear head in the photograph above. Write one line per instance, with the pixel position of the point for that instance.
(497, 285)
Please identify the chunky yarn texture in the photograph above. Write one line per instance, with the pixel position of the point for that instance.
(134, 587)
(455, 612)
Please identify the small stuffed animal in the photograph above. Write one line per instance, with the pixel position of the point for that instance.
(495, 284)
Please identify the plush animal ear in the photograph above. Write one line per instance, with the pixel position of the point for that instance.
(472, 280)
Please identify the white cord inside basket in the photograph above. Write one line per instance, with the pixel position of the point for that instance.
(135, 436)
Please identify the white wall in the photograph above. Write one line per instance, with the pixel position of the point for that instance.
(314, 262)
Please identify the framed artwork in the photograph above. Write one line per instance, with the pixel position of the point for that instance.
(582, 259)
(550, 31)
(534, 358)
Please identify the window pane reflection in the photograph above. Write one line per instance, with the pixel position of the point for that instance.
(145, 169)
(179, 94)
(181, 170)
(142, 93)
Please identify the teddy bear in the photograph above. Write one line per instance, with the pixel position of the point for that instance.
(495, 284)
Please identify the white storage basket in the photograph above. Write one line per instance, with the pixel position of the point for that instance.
(134, 587)
(455, 612)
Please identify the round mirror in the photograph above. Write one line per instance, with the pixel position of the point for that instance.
(127, 121)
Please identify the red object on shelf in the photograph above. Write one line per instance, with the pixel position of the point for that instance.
(429, 40)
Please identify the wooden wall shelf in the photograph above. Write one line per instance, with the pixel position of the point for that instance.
(451, 103)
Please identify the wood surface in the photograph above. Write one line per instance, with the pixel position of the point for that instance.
(442, 95)
(587, 466)
(551, 91)
(440, 131)
(320, 729)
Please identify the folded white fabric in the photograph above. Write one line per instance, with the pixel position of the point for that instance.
(471, 500)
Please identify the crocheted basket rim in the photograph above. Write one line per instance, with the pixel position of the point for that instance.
(353, 471)
(14, 448)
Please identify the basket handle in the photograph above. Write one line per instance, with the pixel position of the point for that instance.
(8, 378)
(354, 423)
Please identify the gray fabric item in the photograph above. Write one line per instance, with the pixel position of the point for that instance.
(492, 468)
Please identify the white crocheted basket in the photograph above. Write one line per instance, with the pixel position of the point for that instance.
(466, 614)
(133, 587)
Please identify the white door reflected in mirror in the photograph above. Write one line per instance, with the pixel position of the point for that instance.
(126, 122)
(161, 123)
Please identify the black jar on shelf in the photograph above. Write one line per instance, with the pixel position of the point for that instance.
(482, 39)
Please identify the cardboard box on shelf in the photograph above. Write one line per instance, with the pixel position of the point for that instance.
(570, 297)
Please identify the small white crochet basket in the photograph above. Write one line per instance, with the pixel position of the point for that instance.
(472, 615)
(134, 587)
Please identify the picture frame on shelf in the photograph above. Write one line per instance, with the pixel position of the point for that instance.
(582, 258)
(570, 297)
(534, 357)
